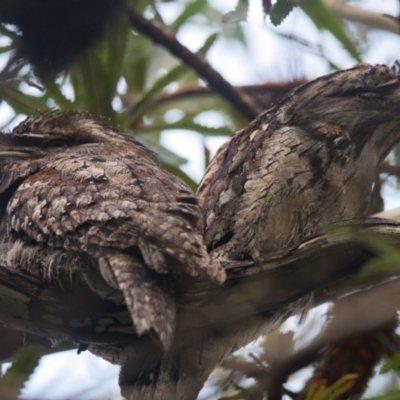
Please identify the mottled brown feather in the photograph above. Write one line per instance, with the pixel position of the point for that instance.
(70, 182)
(307, 162)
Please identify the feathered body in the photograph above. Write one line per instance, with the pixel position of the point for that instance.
(307, 162)
(72, 186)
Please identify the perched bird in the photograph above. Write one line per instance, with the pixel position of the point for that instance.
(79, 197)
(309, 161)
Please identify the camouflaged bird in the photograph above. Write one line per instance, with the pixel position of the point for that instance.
(309, 161)
(80, 197)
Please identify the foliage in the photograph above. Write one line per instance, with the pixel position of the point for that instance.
(335, 391)
(238, 14)
(122, 79)
(24, 363)
(321, 16)
(138, 86)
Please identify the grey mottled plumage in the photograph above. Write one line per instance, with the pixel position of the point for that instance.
(80, 197)
(309, 161)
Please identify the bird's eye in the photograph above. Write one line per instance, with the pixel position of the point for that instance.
(56, 143)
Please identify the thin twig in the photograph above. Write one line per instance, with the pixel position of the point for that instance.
(359, 15)
(266, 94)
(214, 79)
(19, 80)
(357, 313)
(387, 168)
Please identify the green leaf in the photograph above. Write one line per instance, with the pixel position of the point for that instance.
(180, 174)
(114, 58)
(396, 152)
(53, 91)
(336, 390)
(23, 103)
(138, 51)
(8, 33)
(323, 18)
(387, 251)
(206, 153)
(95, 77)
(173, 75)
(25, 361)
(238, 14)
(166, 156)
(392, 395)
(4, 49)
(85, 78)
(392, 364)
(207, 44)
(190, 10)
(280, 10)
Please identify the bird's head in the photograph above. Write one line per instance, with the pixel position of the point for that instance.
(54, 131)
(360, 106)
(60, 134)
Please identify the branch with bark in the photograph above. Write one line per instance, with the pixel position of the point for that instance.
(253, 297)
(359, 15)
(214, 79)
(265, 94)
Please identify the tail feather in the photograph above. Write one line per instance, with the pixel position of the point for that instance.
(150, 307)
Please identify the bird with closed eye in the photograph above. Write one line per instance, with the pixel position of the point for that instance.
(83, 198)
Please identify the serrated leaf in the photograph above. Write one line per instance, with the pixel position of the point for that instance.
(238, 14)
(323, 18)
(280, 10)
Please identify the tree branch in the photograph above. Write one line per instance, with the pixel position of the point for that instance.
(366, 17)
(357, 313)
(77, 315)
(265, 94)
(214, 79)
(387, 168)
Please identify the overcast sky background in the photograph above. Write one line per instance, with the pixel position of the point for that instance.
(269, 57)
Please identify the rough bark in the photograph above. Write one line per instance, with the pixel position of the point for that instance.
(30, 305)
(222, 319)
